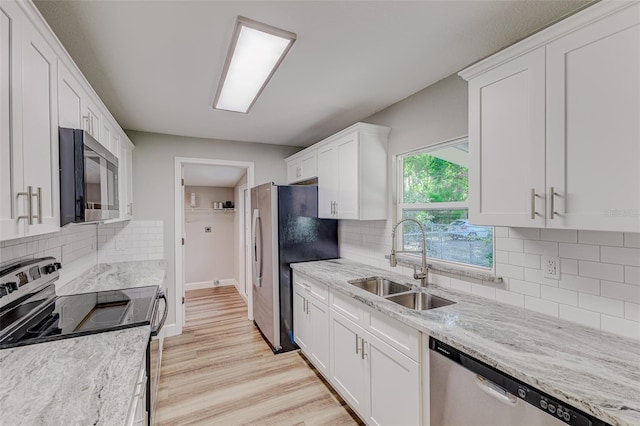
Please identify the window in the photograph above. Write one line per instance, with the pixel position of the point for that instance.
(433, 189)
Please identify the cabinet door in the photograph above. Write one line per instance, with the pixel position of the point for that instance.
(394, 383)
(348, 367)
(328, 181)
(319, 332)
(593, 148)
(348, 177)
(40, 130)
(507, 143)
(309, 165)
(293, 171)
(105, 137)
(11, 179)
(91, 119)
(69, 99)
(129, 177)
(300, 321)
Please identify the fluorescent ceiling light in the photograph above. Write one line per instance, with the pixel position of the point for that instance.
(255, 53)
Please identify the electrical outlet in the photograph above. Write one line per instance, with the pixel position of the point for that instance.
(551, 267)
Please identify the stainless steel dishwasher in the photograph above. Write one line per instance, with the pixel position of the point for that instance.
(467, 392)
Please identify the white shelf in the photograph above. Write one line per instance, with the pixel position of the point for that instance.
(207, 210)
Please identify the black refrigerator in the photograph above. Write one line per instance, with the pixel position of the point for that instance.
(285, 229)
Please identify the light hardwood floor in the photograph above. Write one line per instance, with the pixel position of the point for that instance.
(221, 372)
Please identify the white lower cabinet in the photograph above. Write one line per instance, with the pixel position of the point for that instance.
(311, 326)
(138, 408)
(381, 384)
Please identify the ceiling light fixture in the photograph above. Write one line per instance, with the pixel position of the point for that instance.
(255, 53)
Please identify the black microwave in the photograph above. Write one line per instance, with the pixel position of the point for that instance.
(88, 179)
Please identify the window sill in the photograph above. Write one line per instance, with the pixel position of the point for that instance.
(410, 260)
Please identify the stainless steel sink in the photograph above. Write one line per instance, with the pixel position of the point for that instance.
(420, 301)
(380, 286)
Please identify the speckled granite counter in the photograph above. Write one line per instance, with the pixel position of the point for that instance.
(594, 371)
(86, 380)
(115, 276)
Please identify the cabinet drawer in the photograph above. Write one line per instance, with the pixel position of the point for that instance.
(345, 305)
(315, 288)
(398, 335)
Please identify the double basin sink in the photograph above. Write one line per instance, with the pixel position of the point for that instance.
(401, 294)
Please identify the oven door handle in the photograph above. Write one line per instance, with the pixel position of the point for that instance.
(156, 330)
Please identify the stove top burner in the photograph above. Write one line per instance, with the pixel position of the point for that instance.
(81, 314)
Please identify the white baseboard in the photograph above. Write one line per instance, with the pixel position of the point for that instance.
(210, 284)
(171, 330)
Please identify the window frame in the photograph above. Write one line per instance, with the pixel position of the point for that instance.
(455, 205)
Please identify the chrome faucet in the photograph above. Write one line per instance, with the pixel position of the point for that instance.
(393, 261)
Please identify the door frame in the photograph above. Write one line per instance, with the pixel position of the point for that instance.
(243, 278)
(179, 162)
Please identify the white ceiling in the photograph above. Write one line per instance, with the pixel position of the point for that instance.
(156, 64)
(207, 175)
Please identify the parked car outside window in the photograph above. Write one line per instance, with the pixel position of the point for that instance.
(463, 230)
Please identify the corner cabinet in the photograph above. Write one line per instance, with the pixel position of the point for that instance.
(28, 132)
(352, 174)
(553, 126)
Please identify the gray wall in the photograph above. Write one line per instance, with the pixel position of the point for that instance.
(153, 178)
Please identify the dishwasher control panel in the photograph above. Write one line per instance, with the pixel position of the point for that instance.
(553, 407)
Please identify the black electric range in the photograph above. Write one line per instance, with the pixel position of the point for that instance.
(30, 311)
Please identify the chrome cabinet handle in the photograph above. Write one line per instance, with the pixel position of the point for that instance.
(336, 208)
(533, 203)
(357, 348)
(29, 195)
(38, 196)
(552, 208)
(362, 354)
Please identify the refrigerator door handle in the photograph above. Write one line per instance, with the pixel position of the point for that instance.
(257, 259)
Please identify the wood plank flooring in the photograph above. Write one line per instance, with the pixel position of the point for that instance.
(221, 372)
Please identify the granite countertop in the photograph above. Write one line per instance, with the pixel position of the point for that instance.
(116, 276)
(594, 371)
(86, 380)
(82, 380)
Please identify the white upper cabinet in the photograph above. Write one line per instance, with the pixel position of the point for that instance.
(506, 127)
(302, 167)
(30, 194)
(69, 99)
(352, 174)
(554, 134)
(593, 125)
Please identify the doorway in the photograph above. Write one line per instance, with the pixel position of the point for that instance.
(211, 208)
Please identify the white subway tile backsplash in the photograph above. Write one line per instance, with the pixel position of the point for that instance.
(620, 326)
(632, 275)
(559, 295)
(130, 241)
(524, 259)
(620, 256)
(581, 316)
(626, 292)
(484, 291)
(580, 251)
(460, 285)
(524, 287)
(545, 248)
(632, 239)
(600, 304)
(580, 284)
(605, 271)
(632, 311)
(560, 235)
(539, 305)
(509, 244)
(524, 233)
(510, 298)
(601, 238)
(510, 271)
(576, 296)
(569, 266)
